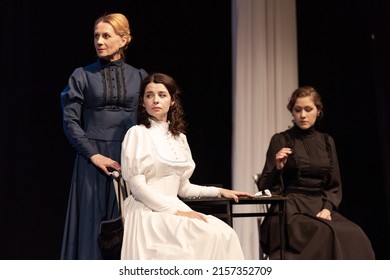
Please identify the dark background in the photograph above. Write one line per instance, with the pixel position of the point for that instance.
(342, 50)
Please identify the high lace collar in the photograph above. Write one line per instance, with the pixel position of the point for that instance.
(105, 63)
(160, 124)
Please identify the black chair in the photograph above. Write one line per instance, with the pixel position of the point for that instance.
(262, 255)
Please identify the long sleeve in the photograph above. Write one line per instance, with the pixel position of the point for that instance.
(100, 103)
(188, 189)
(72, 100)
(137, 162)
(271, 177)
(158, 169)
(312, 167)
(332, 191)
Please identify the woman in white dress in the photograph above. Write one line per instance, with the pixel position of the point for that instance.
(157, 165)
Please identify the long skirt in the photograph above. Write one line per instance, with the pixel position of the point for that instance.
(92, 199)
(312, 238)
(150, 235)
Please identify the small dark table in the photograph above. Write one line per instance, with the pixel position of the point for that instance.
(223, 209)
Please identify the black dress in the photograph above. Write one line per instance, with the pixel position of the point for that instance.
(311, 181)
(99, 106)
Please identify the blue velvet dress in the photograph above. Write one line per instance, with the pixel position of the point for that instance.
(99, 106)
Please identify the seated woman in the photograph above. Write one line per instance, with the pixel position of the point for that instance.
(302, 164)
(157, 164)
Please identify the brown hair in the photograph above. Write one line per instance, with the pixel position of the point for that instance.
(121, 26)
(303, 92)
(175, 117)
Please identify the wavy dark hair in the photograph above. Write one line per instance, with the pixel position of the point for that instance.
(177, 123)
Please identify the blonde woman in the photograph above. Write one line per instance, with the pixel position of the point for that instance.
(99, 106)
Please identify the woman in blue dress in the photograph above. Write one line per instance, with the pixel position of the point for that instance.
(99, 105)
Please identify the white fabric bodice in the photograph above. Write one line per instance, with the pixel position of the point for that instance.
(158, 166)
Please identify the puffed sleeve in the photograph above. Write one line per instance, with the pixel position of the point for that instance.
(72, 100)
(136, 162)
(187, 189)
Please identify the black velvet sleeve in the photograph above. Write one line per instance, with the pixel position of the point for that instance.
(332, 191)
(271, 177)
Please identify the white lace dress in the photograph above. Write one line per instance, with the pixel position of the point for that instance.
(157, 167)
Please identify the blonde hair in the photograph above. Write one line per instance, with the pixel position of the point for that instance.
(121, 26)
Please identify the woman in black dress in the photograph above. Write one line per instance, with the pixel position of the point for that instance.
(99, 106)
(302, 164)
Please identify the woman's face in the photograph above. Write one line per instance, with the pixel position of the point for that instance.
(305, 112)
(107, 42)
(157, 101)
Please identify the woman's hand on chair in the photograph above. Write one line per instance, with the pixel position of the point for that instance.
(105, 163)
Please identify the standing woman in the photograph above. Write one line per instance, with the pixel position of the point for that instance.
(302, 164)
(99, 105)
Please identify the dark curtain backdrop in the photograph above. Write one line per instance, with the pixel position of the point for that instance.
(343, 51)
(43, 41)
